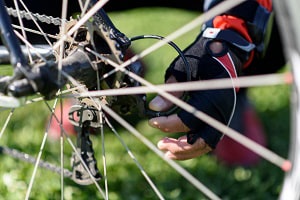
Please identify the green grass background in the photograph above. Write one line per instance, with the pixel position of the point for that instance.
(25, 132)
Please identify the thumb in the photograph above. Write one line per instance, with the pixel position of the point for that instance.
(161, 104)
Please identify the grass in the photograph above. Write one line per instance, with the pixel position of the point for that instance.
(25, 132)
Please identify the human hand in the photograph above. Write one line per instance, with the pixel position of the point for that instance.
(200, 137)
(180, 149)
(177, 149)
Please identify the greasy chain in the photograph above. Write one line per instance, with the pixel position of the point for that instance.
(36, 16)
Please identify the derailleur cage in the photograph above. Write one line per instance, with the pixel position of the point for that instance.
(79, 115)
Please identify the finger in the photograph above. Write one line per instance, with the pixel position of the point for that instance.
(187, 156)
(195, 152)
(161, 104)
(179, 149)
(179, 145)
(169, 124)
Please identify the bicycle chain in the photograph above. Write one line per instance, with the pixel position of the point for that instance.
(35, 16)
(30, 159)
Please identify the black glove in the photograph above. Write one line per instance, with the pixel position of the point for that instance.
(207, 62)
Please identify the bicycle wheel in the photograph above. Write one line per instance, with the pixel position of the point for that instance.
(123, 182)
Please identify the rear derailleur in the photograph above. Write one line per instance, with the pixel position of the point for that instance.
(84, 166)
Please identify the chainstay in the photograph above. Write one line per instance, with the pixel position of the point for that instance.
(30, 159)
(35, 16)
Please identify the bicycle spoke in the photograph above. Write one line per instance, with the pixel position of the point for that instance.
(30, 159)
(85, 18)
(40, 32)
(220, 8)
(6, 122)
(61, 152)
(85, 166)
(22, 26)
(77, 153)
(83, 7)
(46, 36)
(35, 32)
(39, 156)
(242, 82)
(30, 46)
(129, 152)
(103, 154)
(152, 147)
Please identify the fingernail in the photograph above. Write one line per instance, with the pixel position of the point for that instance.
(157, 104)
(152, 122)
(160, 144)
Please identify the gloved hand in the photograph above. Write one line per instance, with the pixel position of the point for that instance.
(208, 59)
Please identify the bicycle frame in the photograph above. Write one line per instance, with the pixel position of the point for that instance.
(10, 40)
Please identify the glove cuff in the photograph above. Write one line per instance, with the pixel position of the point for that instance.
(211, 136)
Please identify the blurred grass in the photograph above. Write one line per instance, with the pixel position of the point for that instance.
(25, 132)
